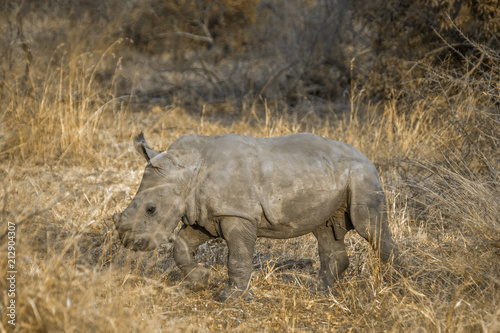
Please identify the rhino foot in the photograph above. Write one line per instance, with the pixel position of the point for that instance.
(322, 288)
(397, 270)
(197, 279)
(232, 293)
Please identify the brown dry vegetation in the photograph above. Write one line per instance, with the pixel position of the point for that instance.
(67, 164)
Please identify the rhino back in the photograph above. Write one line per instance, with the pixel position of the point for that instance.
(286, 185)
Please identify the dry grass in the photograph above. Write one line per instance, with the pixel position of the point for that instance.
(75, 276)
(67, 164)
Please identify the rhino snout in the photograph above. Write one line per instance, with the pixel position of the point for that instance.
(127, 242)
(142, 244)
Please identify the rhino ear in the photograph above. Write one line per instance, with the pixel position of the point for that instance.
(142, 147)
(186, 163)
(165, 161)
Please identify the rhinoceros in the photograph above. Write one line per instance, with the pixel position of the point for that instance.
(239, 188)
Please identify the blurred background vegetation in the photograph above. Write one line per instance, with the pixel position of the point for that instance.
(212, 51)
(64, 62)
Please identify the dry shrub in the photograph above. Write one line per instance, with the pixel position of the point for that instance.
(59, 113)
(402, 33)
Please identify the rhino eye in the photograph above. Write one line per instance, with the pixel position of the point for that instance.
(150, 210)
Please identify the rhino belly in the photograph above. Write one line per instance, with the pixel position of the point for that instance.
(297, 210)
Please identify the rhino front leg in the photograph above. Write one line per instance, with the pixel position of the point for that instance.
(187, 241)
(332, 255)
(240, 236)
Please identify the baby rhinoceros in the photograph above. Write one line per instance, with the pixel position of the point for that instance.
(240, 188)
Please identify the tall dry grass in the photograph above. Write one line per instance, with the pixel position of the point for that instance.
(68, 164)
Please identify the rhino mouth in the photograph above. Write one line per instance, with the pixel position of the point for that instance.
(132, 244)
(125, 237)
(141, 245)
(129, 242)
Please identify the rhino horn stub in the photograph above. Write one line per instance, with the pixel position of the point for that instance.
(142, 147)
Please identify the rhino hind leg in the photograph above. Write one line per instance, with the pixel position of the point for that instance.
(240, 236)
(369, 218)
(332, 255)
(187, 241)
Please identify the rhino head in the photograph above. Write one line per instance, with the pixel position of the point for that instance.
(159, 203)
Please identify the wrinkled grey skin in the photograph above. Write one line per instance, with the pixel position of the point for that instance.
(240, 188)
